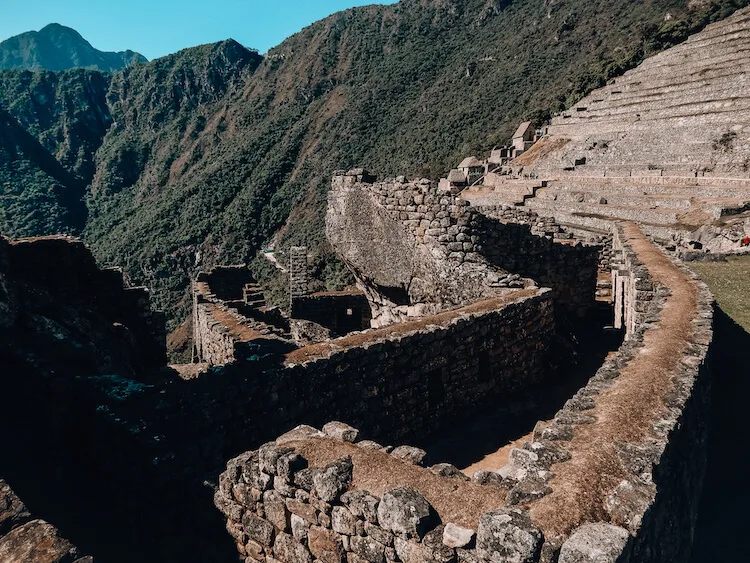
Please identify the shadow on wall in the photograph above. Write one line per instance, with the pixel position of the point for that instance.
(722, 521)
(488, 430)
(569, 270)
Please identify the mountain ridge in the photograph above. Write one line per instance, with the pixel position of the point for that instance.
(216, 152)
(56, 47)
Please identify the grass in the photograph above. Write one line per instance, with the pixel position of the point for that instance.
(730, 284)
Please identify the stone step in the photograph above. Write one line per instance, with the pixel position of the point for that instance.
(639, 189)
(686, 92)
(609, 197)
(652, 216)
(662, 109)
(492, 197)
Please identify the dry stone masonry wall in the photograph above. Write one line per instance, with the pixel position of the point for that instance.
(286, 501)
(228, 319)
(279, 506)
(448, 252)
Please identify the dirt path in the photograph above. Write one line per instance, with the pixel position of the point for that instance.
(625, 411)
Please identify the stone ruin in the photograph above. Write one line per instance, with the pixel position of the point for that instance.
(464, 299)
(433, 253)
(665, 145)
(469, 315)
(328, 495)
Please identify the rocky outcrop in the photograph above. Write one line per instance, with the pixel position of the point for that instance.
(25, 539)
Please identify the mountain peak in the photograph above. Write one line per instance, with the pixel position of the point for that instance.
(57, 47)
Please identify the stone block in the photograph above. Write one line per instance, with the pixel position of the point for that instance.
(334, 479)
(341, 431)
(362, 504)
(325, 545)
(289, 550)
(368, 549)
(299, 528)
(507, 535)
(455, 536)
(257, 529)
(378, 534)
(405, 512)
(595, 543)
(410, 454)
(302, 509)
(343, 521)
(276, 511)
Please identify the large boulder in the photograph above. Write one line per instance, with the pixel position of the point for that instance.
(406, 513)
(36, 541)
(596, 543)
(508, 536)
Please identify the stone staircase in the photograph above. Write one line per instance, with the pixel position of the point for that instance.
(252, 295)
(684, 111)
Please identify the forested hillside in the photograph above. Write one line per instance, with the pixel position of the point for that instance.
(216, 152)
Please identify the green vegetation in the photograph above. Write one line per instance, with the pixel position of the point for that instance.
(56, 47)
(730, 284)
(215, 152)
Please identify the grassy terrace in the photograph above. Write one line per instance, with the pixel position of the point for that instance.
(730, 284)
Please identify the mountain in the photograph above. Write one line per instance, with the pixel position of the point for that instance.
(216, 152)
(52, 126)
(56, 47)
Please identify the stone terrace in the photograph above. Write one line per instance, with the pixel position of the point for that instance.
(666, 145)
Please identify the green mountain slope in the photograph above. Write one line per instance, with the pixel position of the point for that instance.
(56, 47)
(215, 152)
(37, 194)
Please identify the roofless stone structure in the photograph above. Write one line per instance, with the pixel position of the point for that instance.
(468, 299)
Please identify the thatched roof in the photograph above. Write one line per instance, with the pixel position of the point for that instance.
(456, 177)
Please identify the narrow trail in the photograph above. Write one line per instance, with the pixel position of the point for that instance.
(625, 410)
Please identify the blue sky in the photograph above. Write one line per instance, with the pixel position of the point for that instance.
(159, 27)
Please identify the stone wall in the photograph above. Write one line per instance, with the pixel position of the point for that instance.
(632, 289)
(513, 243)
(69, 276)
(434, 250)
(305, 498)
(225, 326)
(340, 312)
(299, 284)
(24, 538)
(652, 512)
(405, 382)
(410, 247)
(282, 506)
(409, 380)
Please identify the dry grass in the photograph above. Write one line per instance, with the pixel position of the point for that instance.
(625, 411)
(455, 501)
(730, 284)
(541, 149)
